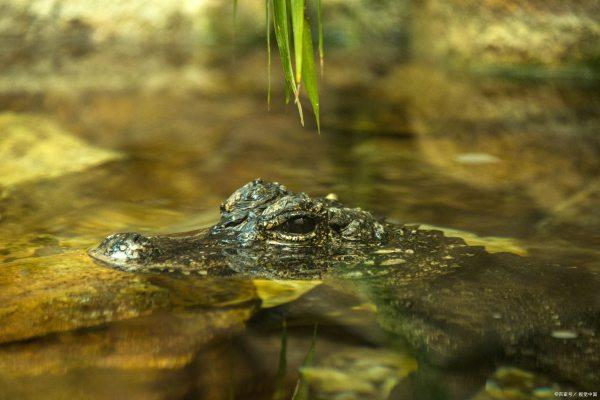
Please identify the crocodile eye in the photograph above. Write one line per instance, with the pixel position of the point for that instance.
(300, 225)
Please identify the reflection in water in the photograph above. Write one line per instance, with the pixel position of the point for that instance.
(443, 150)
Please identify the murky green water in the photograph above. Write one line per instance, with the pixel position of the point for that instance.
(497, 159)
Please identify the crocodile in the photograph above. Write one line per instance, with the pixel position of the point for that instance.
(265, 231)
(448, 300)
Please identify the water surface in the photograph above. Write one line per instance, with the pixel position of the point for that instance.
(512, 163)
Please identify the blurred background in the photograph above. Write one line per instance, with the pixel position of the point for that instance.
(480, 117)
(474, 115)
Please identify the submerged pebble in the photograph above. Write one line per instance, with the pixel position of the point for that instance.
(393, 261)
(564, 334)
(476, 158)
(387, 251)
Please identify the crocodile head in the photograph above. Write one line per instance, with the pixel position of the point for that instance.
(264, 229)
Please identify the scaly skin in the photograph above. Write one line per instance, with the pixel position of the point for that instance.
(265, 230)
(451, 301)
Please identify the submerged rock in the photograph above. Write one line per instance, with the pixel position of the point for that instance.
(163, 340)
(65, 292)
(141, 358)
(515, 383)
(358, 373)
(34, 147)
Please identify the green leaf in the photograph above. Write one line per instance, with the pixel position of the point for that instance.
(298, 31)
(302, 391)
(279, 393)
(320, 29)
(282, 37)
(268, 23)
(282, 34)
(309, 73)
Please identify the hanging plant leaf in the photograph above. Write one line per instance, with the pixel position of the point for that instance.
(282, 36)
(298, 31)
(320, 29)
(268, 29)
(309, 73)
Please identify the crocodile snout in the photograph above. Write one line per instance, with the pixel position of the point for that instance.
(124, 249)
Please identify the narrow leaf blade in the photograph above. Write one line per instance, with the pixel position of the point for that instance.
(298, 31)
(279, 393)
(302, 390)
(268, 28)
(309, 73)
(320, 29)
(282, 36)
(280, 20)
